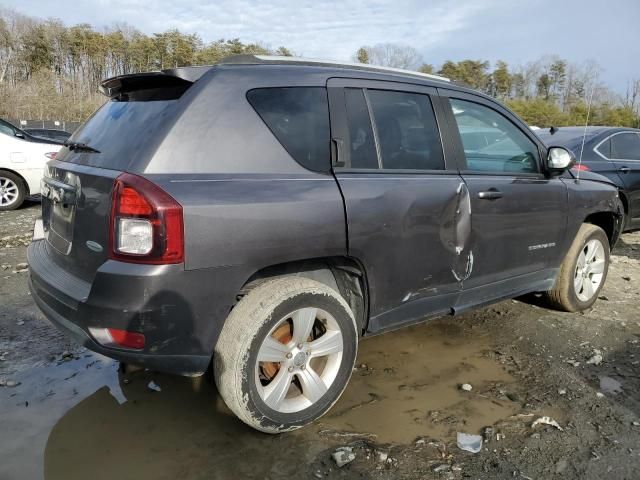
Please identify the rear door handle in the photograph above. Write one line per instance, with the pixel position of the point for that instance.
(625, 169)
(490, 195)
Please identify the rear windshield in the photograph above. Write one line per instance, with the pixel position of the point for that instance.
(120, 130)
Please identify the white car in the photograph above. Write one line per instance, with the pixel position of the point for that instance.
(22, 161)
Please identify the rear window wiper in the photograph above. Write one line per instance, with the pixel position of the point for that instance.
(81, 147)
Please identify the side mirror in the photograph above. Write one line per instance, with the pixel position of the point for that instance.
(559, 159)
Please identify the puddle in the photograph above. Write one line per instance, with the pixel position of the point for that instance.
(411, 386)
(82, 419)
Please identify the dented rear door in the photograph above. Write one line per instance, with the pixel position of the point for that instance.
(407, 225)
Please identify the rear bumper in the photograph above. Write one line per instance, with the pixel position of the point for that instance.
(171, 306)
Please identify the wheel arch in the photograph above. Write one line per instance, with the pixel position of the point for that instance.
(344, 274)
(24, 181)
(609, 222)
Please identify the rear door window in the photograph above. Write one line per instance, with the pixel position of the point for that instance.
(299, 119)
(407, 131)
(625, 146)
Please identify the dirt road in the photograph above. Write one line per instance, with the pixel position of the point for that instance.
(68, 413)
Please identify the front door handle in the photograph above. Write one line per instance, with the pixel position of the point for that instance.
(625, 169)
(490, 195)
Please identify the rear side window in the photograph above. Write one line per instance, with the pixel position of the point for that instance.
(299, 118)
(605, 148)
(625, 146)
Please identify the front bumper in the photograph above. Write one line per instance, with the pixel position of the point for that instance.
(171, 306)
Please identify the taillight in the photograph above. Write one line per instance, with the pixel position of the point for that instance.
(50, 155)
(146, 223)
(581, 167)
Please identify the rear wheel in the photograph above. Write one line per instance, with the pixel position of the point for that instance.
(285, 354)
(583, 272)
(12, 191)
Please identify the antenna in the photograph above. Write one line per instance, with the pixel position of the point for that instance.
(584, 135)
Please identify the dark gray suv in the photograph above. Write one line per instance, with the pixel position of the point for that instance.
(261, 215)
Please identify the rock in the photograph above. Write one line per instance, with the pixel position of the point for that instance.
(561, 465)
(20, 323)
(573, 362)
(562, 391)
(514, 397)
(487, 433)
(67, 354)
(635, 424)
(599, 394)
(11, 383)
(442, 467)
(596, 359)
(627, 278)
(343, 455)
(603, 297)
(382, 456)
(22, 266)
(466, 387)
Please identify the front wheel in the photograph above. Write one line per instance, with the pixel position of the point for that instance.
(285, 354)
(583, 271)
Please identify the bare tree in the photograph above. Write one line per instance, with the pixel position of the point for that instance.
(390, 55)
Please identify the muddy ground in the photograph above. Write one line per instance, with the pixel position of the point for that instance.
(68, 413)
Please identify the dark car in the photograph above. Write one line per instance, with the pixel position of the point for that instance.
(49, 133)
(261, 215)
(610, 151)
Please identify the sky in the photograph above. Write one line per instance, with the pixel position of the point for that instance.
(512, 30)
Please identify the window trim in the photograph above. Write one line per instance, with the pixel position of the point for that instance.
(446, 95)
(365, 85)
(612, 159)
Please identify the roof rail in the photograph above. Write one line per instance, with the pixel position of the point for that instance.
(282, 60)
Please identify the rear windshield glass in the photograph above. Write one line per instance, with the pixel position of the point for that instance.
(299, 118)
(120, 130)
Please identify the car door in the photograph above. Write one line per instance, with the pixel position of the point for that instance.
(625, 153)
(518, 214)
(402, 197)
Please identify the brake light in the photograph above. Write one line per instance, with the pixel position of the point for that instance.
(581, 167)
(146, 223)
(50, 155)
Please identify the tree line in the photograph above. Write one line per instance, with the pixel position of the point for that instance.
(52, 71)
(548, 91)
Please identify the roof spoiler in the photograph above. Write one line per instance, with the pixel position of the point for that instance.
(182, 77)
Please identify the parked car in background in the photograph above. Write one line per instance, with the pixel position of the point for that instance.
(262, 215)
(610, 151)
(22, 161)
(49, 134)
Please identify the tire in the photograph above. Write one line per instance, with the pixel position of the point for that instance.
(12, 191)
(571, 292)
(272, 310)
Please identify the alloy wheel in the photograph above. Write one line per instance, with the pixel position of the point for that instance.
(299, 360)
(589, 270)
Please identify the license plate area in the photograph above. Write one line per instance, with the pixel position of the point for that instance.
(59, 203)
